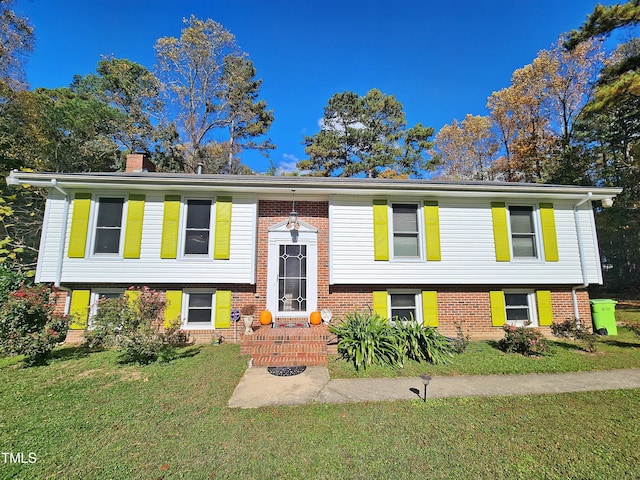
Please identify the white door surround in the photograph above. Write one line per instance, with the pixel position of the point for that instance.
(292, 270)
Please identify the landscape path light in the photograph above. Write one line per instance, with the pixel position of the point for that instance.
(426, 378)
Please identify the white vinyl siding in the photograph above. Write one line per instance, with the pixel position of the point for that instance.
(467, 248)
(150, 268)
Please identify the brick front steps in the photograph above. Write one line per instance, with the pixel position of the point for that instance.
(287, 347)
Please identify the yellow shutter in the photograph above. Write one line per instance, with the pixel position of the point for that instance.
(380, 304)
(132, 296)
(498, 310)
(170, 226)
(79, 309)
(223, 309)
(500, 231)
(173, 307)
(222, 242)
(380, 230)
(432, 230)
(545, 309)
(430, 309)
(79, 225)
(549, 236)
(133, 232)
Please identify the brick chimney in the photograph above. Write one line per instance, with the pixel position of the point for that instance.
(139, 162)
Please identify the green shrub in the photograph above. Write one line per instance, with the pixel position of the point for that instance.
(461, 341)
(523, 340)
(11, 281)
(570, 328)
(422, 343)
(28, 324)
(132, 323)
(368, 339)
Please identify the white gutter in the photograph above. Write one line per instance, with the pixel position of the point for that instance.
(583, 262)
(63, 232)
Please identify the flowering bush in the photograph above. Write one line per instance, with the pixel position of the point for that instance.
(523, 340)
(570, 328)
(28, 324)
(132, 323)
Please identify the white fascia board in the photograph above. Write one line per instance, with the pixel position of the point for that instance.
(320, 186)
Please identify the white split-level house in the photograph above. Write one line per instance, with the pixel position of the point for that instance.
(477, 254)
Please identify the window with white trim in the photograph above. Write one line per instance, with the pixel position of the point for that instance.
(199, 310)
(98, 296)
(406, 232)
(520, 308)
(108, 226)
(523, 232)
(198, 227)
(404, 306)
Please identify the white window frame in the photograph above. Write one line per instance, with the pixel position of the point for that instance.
(532, 308)
(184, 316)
(420, 236)
(537, 232)
(418, 304)
(184, 210)
(93, 226)
(95, 298)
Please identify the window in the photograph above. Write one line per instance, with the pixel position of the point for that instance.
(405, 230)
(404, 306)
(100, 295)
(108, 226)
(198, 227)
(199, 310)
(523, 236)
(519, 308)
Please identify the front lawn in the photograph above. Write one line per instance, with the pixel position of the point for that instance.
(86, 416)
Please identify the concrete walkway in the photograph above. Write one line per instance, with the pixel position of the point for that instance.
(258, 388)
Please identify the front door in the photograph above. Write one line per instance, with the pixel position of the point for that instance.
(292, 271)
(292, 278)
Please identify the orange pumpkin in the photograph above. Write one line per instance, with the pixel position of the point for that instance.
(315, 318)
(265, 317)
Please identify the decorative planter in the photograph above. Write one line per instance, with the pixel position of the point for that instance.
(265, 317)
(315, 318)
(248, 324)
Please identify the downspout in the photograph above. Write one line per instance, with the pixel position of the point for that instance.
(583, 263)
(63, 232)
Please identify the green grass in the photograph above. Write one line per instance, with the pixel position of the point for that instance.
(86, 416)
(628, 312)
(484, 358)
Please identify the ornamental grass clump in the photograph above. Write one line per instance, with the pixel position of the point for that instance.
(368, 339)
(424, 344)
(523, 340)
(29, 325)
(132, 324)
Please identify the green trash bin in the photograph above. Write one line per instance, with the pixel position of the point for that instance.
(603, 312)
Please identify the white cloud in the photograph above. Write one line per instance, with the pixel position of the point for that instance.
(287, 164)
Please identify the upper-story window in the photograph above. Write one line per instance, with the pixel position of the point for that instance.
(108, 225)
(198, 227)
(523, 234)
(405, 230)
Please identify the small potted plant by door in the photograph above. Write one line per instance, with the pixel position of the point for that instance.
(247, 315)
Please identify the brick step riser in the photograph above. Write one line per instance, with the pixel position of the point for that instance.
(289, 348)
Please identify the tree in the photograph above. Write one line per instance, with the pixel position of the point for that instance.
(16, 41)
(131, 89)
(467, 149)
(603, 20)
(210, 87)
(366, 136)
(245, 116)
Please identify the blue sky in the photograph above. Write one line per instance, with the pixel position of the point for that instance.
(440, 59)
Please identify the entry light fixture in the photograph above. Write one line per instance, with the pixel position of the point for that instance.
(293, 224)
(607, 202)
